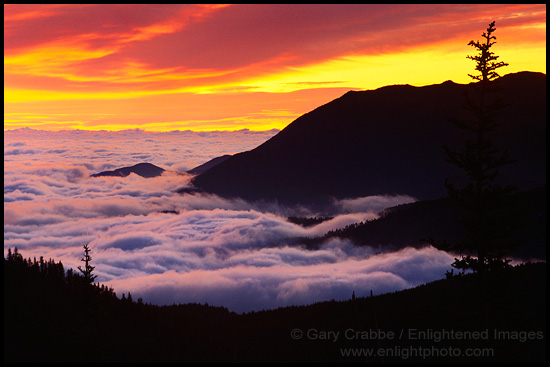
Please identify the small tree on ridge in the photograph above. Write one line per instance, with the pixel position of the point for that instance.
(87, 271)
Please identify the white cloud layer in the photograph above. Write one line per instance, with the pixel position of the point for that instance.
(170, 248)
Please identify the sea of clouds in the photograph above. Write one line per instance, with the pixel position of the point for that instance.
(177, 248)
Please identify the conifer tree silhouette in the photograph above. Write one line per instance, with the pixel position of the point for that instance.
(87, 271)
(486, 225)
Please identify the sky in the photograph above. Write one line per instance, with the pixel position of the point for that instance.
(169, 248)
(210, 67)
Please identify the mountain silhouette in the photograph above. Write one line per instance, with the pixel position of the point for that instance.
(141, 169)
(385, 141)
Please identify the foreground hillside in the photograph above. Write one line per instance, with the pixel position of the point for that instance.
(384, 141)
(52, 316)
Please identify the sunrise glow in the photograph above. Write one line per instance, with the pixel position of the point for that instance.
(230, 67)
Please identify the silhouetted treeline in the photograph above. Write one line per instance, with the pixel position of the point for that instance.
(52, 315)
(55, 316)
(308, 221)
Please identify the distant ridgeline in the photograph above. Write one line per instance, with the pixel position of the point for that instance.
(141, 169)
(385, 141)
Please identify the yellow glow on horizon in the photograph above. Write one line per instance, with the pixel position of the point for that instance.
(199, 126)
(259, 121)
(367, 72)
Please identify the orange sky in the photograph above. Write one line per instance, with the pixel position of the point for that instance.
(228, 67)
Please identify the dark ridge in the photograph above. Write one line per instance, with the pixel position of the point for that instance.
(408, 225)
(308, 221)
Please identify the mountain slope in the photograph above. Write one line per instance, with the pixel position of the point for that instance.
(384, 141)
(211, 163)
